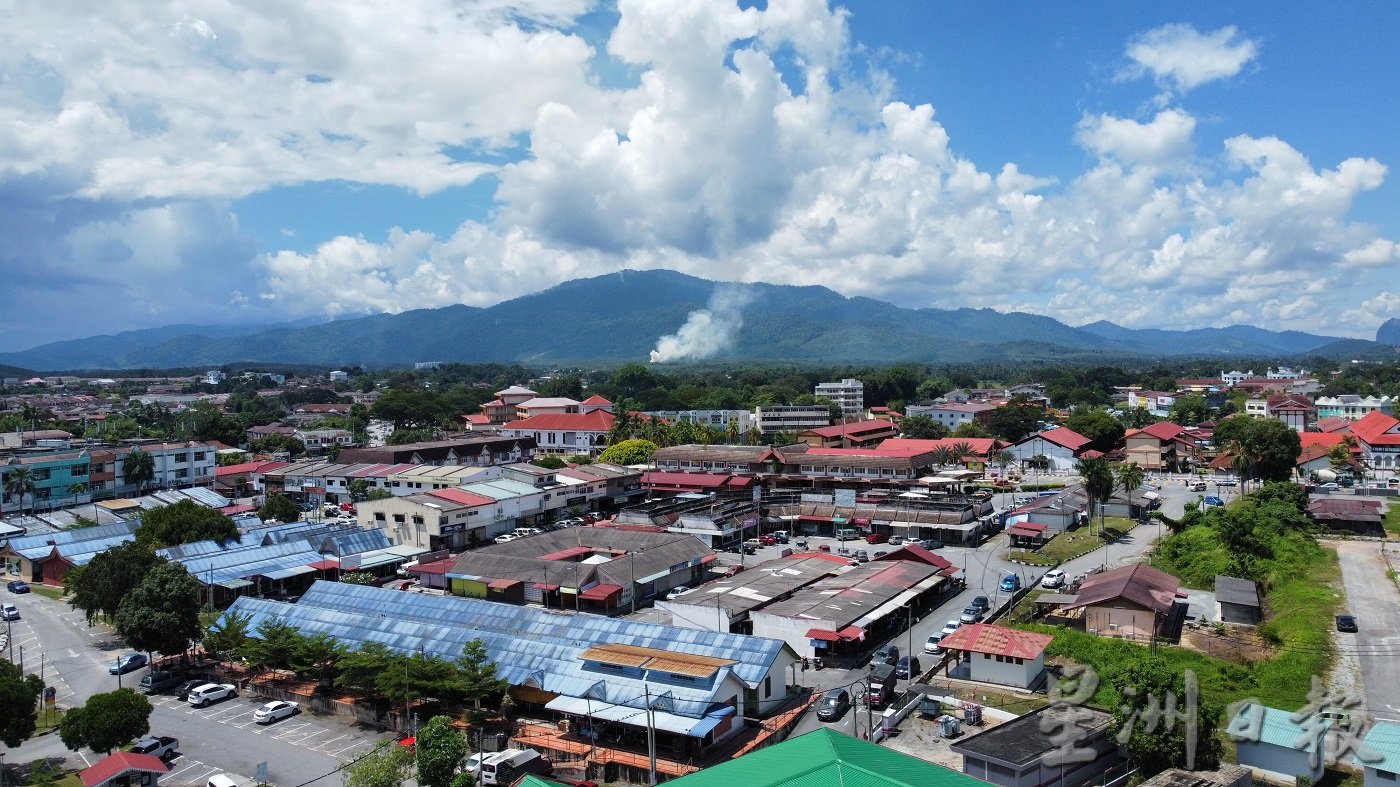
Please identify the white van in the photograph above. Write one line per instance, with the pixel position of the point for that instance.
(221, 780)
(846, 534)
(504, 767)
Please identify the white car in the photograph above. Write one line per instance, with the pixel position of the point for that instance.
(472, 764)
(677, 593)
(1053, 578)
(211, 692)
(505, 538)
(950, 627)
(931, 646)
(272, 711)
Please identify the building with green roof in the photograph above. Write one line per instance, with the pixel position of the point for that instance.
(1381, 763)
(1276, 746)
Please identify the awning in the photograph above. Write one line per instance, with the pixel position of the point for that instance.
(860, 520)
(600, 592)
(287, 573)
(322, 565)
(234, 584)
(625, 714)
(815, 518)
(545, 587)
(852, 632)
(711, 720)
(502, 584)
(825, 635)
(1026, 532)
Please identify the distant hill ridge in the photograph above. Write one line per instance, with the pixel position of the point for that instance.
(619, 317)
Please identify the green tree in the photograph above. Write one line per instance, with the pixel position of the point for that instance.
(440, 749)
(1103, 430)
(106, 721)
(629, 452)
(19, 702)
(933, 387)
(1004, 459)
(476, 674)
(1143, 681)
(548, 461)
(318, 656)
(139, 468)
(1015, 420)
(279, 507)
(273, 646)
(390, 767)
(360, 668)
(1271, 445)
(357, 578)
(359, 490)
(19, 481)
(184, 522)
(1130, 476)
(568, 386)
(162, 613)
(1097, 476)
(973, 428)
(1190, 410)
(379, 494)
(922, 427)
(228, 634)
(277, 444)
(98, 587)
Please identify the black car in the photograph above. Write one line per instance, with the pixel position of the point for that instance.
(17, 586)
(834, 705)
(182, 692)
(885, 654)
(1346, 623)
(902, 668)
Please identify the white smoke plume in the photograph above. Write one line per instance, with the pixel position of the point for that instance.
(706, 331)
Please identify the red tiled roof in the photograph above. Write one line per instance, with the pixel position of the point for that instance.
(115, 764)
(997, 640)
(595, 421)
(247, 467)
(462, 496)
(476, 418)
(600, 592)
(1323, 439)
(825, 635)
(1063, 437)
(1334, 423)
(1377, 428)
(595, 399)
(659, 478)
(919, 555)
(856, 429)
(1162, 430)
(902, 446)
(1141, 584)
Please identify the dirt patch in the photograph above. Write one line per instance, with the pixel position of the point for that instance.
(1235, 644)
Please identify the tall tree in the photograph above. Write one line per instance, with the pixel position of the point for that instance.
(440, 749)
(279, 507)
(1015, 420)
(922, 427)
(1130, 476)
(162, 613)
(1103, 430)
(228, 634)
(1151, 715)
(98, 587)
(390, 767)
(476, 674)
(106, 721)
(139, 467)
(1097, 476)
(273, 646)
(19, 481)
(629, 452)
(318, 656)
(19, 701)
(184, 522)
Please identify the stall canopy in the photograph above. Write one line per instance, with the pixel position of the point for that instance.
(600, 592)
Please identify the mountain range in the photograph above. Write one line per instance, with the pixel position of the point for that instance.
(618, 317)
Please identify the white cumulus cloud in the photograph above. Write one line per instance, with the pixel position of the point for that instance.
(1180, 57)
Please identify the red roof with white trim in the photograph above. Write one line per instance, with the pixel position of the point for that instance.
(1377, 428)
(595, 399)
(595, 421)
(853, 430)
(904, 446)
(1063, 437)
(462, 497)
(1162, 430)
(997, 640)
(119, 763)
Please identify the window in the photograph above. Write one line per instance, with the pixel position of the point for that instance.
(417, 519)
(768, 686)
(398, 518)
(199, 456)
(379, 516)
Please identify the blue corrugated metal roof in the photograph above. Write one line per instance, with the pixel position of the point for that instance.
(356, 542)
(1261, 723)
(69, 536)
(80, 552)
(1384, 739)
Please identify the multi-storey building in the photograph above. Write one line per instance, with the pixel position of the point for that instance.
(771, 419)
(849, 394)
(1352, 406)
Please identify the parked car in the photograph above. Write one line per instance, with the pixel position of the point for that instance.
(907, 666)
(163, 746)
(931, 645)
(272, 711)
(895, 541)
(862, 556)
(983, 603)
(1346, 623)
(9, 612)
(767, 541)
(887, 653)
(1330, 486)
(781, 536)
(505, 538)
(125, 663)
(17, 586)
(950, 627)
(182, 692)
(210, 692)
(677, 592)
(160, 680)
(1010, 583)
(1053, 578)
(931, 544)
(970, 615)
(833, 705)
(877, 538)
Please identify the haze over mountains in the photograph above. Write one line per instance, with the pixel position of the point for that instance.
(620, 317)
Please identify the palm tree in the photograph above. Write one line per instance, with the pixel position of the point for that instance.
(20, 482)
(943, 455)
(76, 488)
(961, 451)
(139, 467)
(1097, 477)
(1002, 459)
(1130, 477)
(30, 414)
(1240, 461)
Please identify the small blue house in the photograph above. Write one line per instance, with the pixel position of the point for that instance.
(1384, 740)
(1268, 741)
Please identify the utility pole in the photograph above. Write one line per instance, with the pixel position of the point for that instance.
(651, 740)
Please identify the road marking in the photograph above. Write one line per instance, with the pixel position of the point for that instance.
(318, 747)
(302, 739)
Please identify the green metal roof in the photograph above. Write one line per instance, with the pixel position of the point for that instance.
(530, 780)
(825, 757)
(1384, 739)
(1276, 727)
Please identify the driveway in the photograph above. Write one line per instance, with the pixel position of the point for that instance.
(1372, 597)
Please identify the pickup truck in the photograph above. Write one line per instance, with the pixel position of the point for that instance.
(163, 747)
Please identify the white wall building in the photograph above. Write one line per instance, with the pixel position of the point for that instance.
(772, 419)
(1353, 407)
(849, 394)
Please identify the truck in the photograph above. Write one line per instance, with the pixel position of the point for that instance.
(162, 746)
(881, 685)
(505, 766)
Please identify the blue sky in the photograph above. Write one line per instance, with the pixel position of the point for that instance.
(1158, 165)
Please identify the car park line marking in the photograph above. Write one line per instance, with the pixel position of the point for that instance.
(283, 730)
(319, 746)
(301, 739)
(354, 745)
(183, 767)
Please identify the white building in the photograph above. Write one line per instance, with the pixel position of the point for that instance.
(952, 414)
(1384, 739)
(849, 394)
(994, 654)
(1286, 373)
(1234, 378)
(338, 376)
(1352, 406)
(743, 420)
(1273, 745)
(771, 419)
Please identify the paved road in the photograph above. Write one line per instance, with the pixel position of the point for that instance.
(1372, 597)
(217, 739)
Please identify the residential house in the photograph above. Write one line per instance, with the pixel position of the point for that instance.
(1358, 515)
(256, 433)
(849, 395)
(319, 441)
(1029, 750)
(1279, 745)
(1131, 602)
(1160, 447)
(502, 408)
(988, 653)
(1158, 403)
(1382, 763)
(1237, 601)
(584, 434)
(1296, 411)
(1062, 447)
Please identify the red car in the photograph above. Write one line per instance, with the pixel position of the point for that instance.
(876, 538)
(767, 541)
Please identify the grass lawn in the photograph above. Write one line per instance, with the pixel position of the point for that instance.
(1073, 543)
(1391, 523)
(47, 592)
